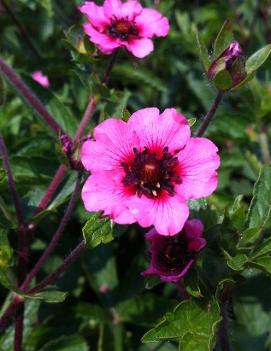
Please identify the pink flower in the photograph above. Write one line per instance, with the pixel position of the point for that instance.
(127, 25)
(172, 257)
(40, 78)
(145, 169)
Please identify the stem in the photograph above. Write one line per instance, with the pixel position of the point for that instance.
(210, 114)
(12, 186)
(23, 89)
(19, 327)
(17, 300)
(61, 269)
(110, 66)
(56, 236)
(51, 189)
(223, 332)
(86, 118)
(20, 27)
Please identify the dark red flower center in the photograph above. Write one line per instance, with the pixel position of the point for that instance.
(149, 173)
(172, 254)
(122, 29)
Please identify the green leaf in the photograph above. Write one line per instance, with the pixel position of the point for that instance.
(203, 52)
(190, 319)
(237, 213)
(223, 39)
(248, 237)
(260, 207)
(97, 230)
(225, 283)
(6, 252)
(192, 121)
(264, 249)
(50, 296)
(237, 263)
(223, 80)
(191, 283)
(257, 59)
(66, 343)
(263, 263)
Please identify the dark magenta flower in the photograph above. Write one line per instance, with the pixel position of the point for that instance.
(127, 25)
(172, 256)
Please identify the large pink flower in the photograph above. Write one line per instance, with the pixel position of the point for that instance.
(172, 257)
(145, 169)
(128, 25)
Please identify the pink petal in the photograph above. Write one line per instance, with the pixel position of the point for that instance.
(95, 15)
(170, 129)
(114, 143)
(131, 9)
(194, 231)
(103, 191)
(175, 278)
(105, 43)
(198, 162)
(152, 23)
(139, 47)
(168, 215)
(112, 8)
(41, 78)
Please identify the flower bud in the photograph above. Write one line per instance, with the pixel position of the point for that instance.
(228, 69)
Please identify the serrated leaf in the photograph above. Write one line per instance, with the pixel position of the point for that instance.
(223, 39)
(97, 230)
(190, 318)
(203, 52)
(260, 207)
(257, 59)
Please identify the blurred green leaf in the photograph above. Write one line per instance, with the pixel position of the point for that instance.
(263, 263)
(203, 52)
(6, 252)
(50, 296)
(97, 230)
(66, 343)
(237, 263)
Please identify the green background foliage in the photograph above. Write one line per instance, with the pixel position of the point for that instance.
(109, 305)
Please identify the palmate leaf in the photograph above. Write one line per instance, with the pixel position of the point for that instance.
(189, 320)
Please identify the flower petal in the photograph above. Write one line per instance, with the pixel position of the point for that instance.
(170, 129)
(114, 143)
(130, 9)
(168, 215)
(95, 15)
(103, 191)
(198, 162)
(151, 23)
(105, 43)
(139, 47)
(193, 231)
(112, 8)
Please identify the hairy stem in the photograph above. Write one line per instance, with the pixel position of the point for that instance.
(61, 269)
(29, 96)
(210, 114)
(56, 236)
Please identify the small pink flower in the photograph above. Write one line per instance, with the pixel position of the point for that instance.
(145, 169)
(40, 78)
(128, 25)
(172, 257)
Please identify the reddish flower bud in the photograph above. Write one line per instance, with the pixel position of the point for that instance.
(172, 256)
(232, 61)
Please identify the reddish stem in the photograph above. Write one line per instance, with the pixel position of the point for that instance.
(28, 95)
(61, 269)
(19, 328)
(56, 236)
(17, 300)
(86, 118)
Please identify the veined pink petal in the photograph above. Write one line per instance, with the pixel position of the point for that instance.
(104, 42)
(130, 9)
(95, 15)
(152, 23)
(139, 47)
(198, 162)
(167, 215)
(112, 8)
(170, 129)
(103, 191)
(114, 143)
